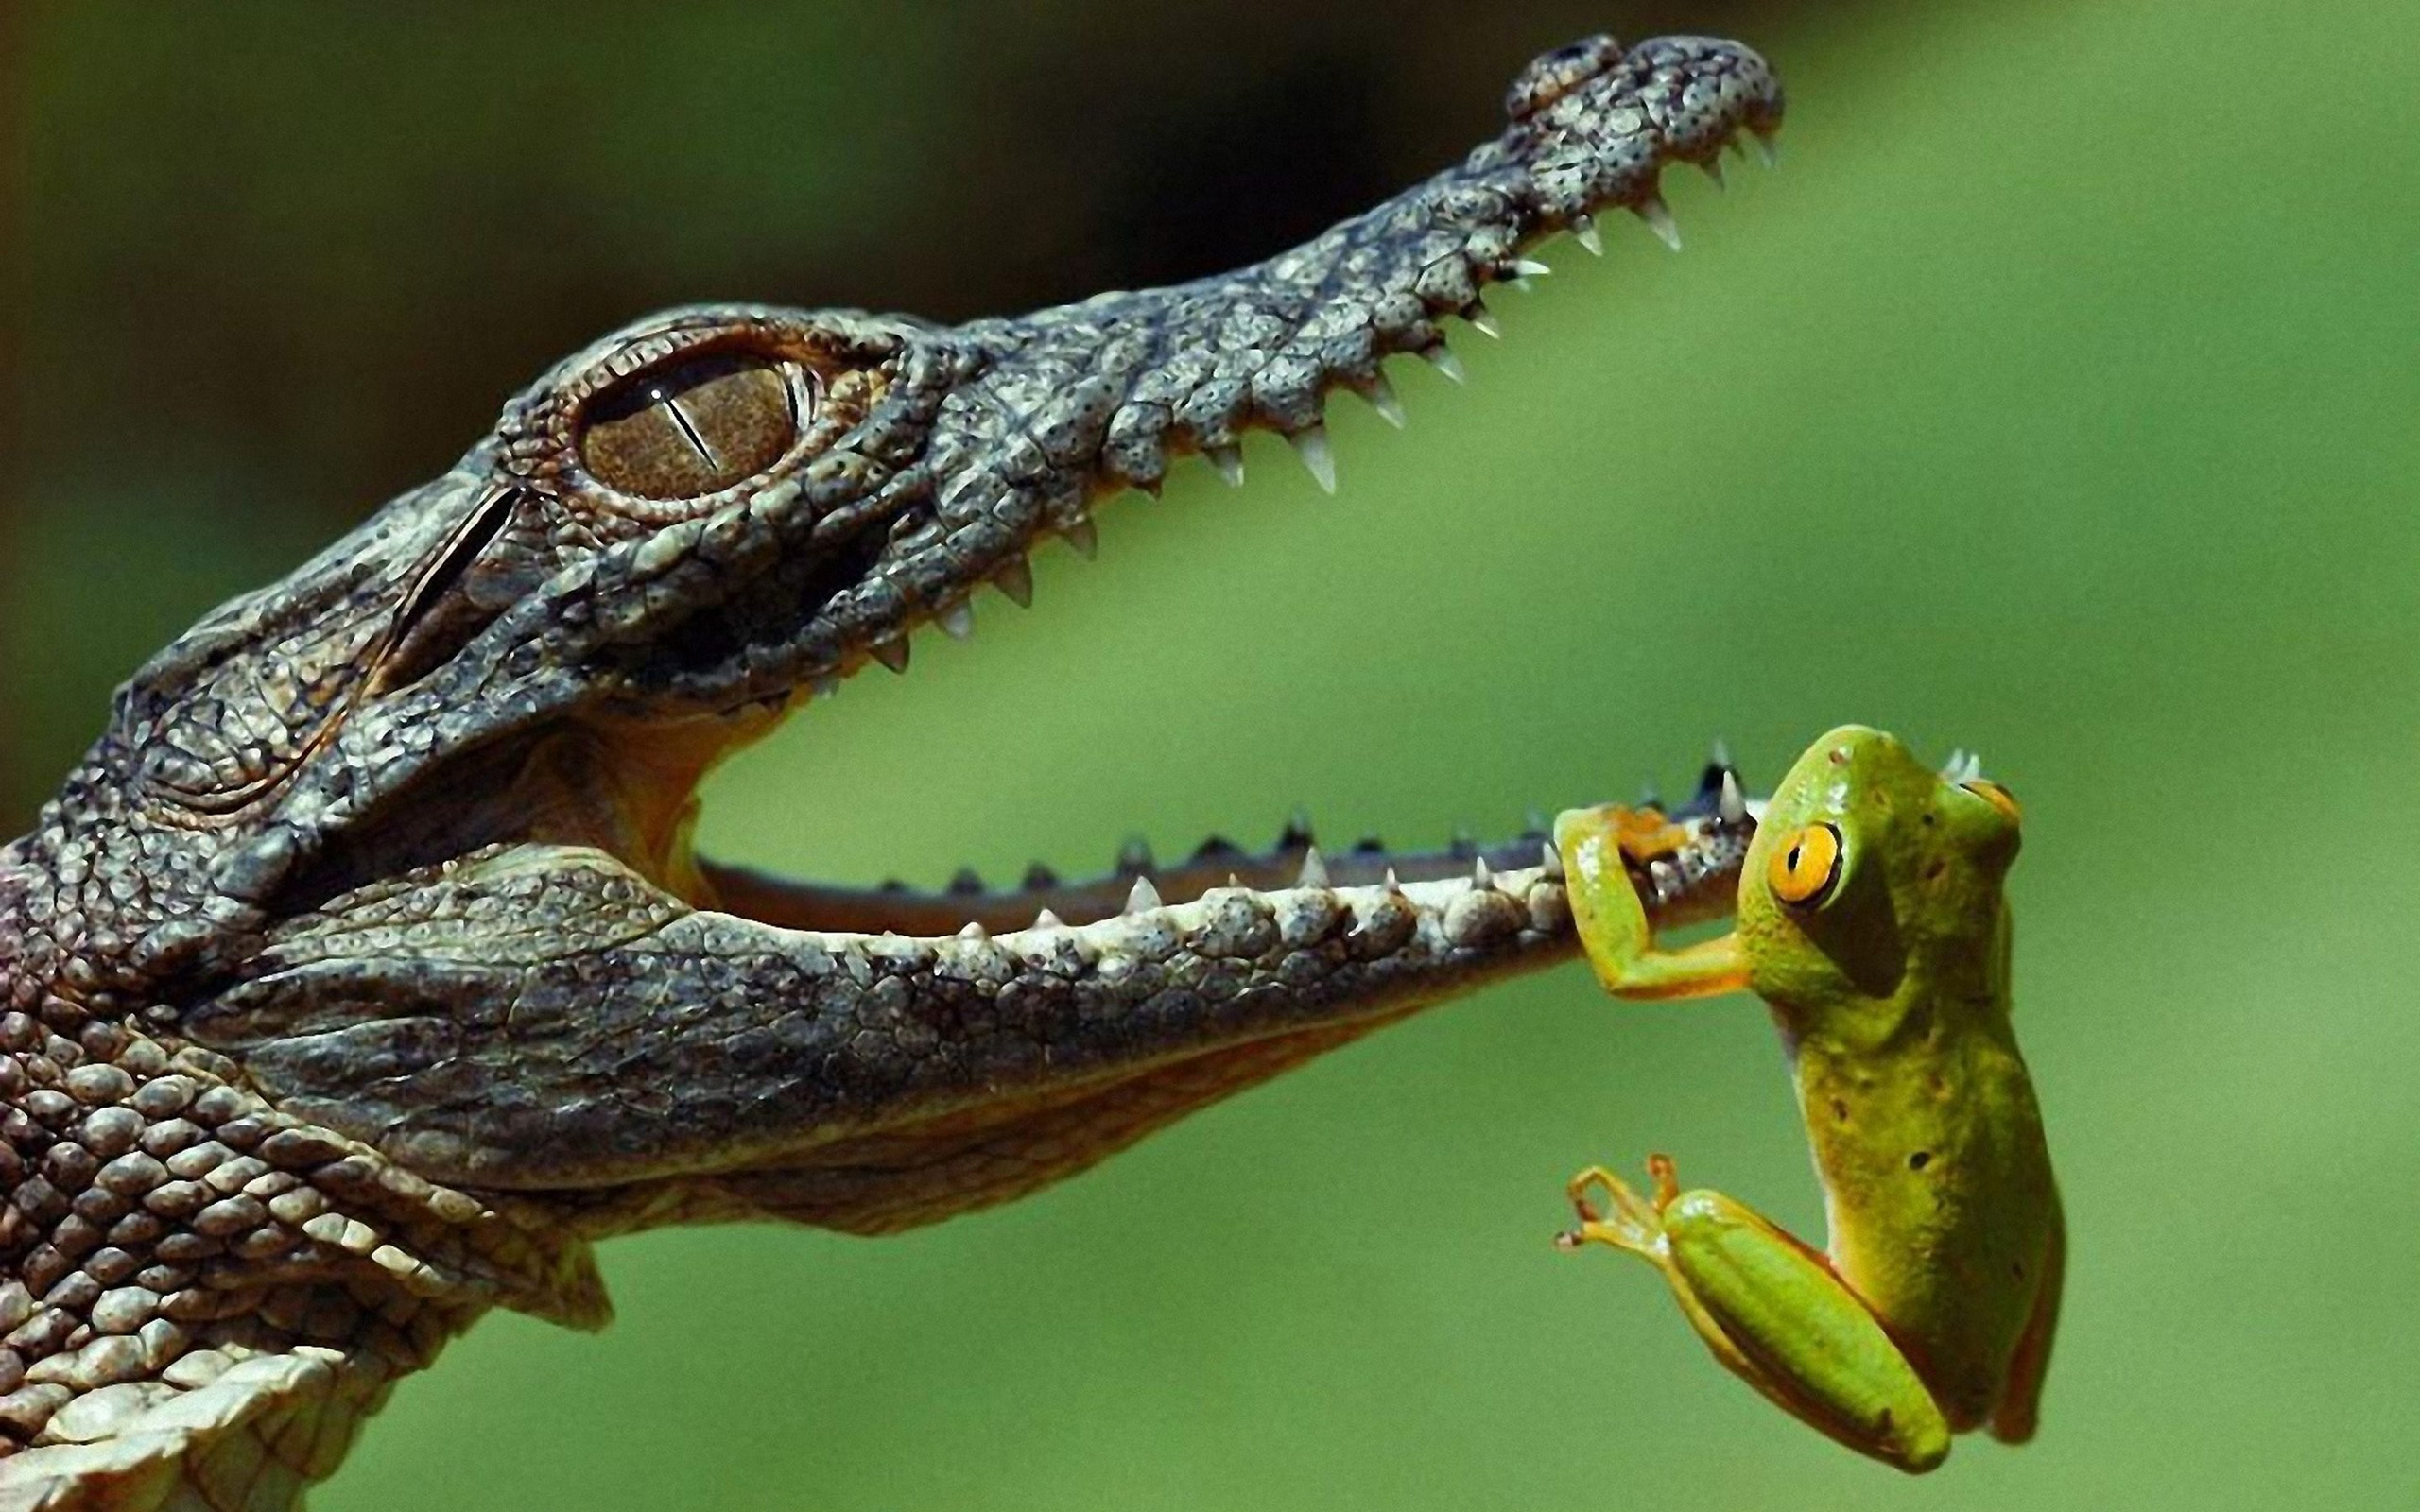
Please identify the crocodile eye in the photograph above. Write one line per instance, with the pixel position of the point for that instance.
(1803, 869)
(1997, 795)
(691, 428)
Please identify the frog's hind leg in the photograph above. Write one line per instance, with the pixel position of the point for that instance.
(1773, 1313)
(2020, 1410)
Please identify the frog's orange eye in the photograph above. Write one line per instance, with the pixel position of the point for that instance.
(1803, 869)
(1997, 795)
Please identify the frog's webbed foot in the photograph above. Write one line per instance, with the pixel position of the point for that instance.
(1628, 1221)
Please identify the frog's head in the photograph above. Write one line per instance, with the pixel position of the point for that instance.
(1868, 865)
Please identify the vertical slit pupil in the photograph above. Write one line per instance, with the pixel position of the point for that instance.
(693, 428)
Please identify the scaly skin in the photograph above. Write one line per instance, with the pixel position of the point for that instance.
(361, 977)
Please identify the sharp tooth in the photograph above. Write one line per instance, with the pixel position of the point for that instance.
(1015, 578)
(1658, 216)
(1381, 395)
(1440, 357)
(1084, 535)
(1314, 870)
(1957, 759)
(1762, 144)
(1228, 460)
(957, 620)
(1392, 884)
(1482, 879)
(1734, 805)
(824, 684)
(1144, 897)
(1046, 919)
(1713, 167)
(974, 930)
(892, 653)
(1530, 268)
(1483, 320)
(1550, 861)
(1585, 227)
(1312, 446)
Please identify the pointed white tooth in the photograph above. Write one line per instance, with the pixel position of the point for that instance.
(1481, 878)
(1312, 446)
(1381, 395)
(1525, 285)
(1392, 884)
(1721, 756)
(824, 684)
(1550, 861)
(1957, 760)
(1233, 881)
(1530, 268)
(1713, 167)
(1228, 460)
(892, 653)
(1763, 146)
(1974, 766)
(1658, 216)
(1084, 535)
(1585, 227)
(957, 620)
(1015, 578)
(1440, 357)
(1314, 870)
(1733, 804)
(1144, 897)
(1483, 319)
(1046, 919)
(974, 930)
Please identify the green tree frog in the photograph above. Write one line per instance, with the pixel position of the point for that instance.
(1870, 921)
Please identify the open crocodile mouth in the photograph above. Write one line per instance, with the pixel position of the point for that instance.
(496, 924)
(1025, 435)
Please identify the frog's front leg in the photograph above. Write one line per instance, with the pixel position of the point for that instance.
(1599, 847)
(1773, 1312)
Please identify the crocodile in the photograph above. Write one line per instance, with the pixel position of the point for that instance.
(362, 976)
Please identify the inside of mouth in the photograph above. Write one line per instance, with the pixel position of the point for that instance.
(1296, 860)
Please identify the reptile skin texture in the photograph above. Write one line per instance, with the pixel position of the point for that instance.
(361, 977)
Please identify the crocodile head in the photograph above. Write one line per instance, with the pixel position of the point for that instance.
(380, 877)
(512, 680)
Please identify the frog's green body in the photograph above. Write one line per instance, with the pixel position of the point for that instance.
(1872, 921)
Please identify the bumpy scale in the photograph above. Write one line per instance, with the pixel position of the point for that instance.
(337, 984)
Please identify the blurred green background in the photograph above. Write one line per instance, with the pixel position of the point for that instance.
(2059, 398)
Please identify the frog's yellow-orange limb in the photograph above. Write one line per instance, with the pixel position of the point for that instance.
(1773, 1313)
(1599, 846)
